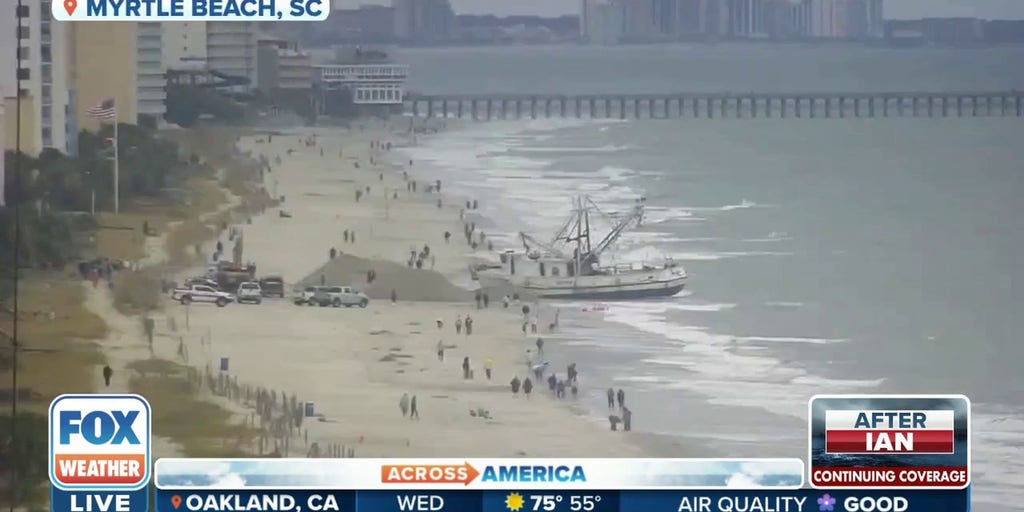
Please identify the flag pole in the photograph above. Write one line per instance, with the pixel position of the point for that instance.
(117, 159)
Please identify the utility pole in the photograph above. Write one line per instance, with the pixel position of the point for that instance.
(15, 348)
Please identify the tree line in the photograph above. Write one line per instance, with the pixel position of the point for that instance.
(56, 192)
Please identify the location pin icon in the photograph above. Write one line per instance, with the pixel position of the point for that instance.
(69, 7)
(175, 500)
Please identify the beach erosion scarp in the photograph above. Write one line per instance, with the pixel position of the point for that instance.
(355, 364)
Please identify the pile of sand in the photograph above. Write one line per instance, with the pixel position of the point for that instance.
(408, 283)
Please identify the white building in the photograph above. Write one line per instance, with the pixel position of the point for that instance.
(227, 47)
(42, 45)
(231, 49)
(150, 71)
(371, 84)
(603, 21)
(184, 44)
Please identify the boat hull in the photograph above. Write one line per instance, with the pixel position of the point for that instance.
(603, 288)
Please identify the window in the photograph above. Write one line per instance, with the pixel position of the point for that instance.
(47, 93)
(47, 111)
(22, 53)
(24, 32)
(45, 52)
(23, 74)
(22, 11)
(47, 73)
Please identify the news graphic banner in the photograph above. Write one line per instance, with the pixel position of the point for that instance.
(100, 455)
(461, 474)
(890, 441)
(518, 485)
(191, 10)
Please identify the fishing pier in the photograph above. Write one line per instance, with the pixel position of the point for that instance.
(718, 105)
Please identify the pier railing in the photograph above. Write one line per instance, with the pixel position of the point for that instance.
(720, 105)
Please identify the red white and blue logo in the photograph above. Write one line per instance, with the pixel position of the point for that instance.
(100, 442)
(887, 441)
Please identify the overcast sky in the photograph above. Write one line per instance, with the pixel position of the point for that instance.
(990, 9)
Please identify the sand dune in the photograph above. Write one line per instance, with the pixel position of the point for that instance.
(355, 364)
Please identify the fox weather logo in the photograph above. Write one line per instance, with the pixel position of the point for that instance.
(100, 442)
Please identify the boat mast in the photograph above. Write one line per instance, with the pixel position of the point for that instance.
(576, 255)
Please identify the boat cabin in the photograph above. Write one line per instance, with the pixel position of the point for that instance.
(536, 265)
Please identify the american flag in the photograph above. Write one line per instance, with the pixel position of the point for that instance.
(104, 111)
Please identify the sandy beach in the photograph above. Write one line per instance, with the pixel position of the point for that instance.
(355, 364)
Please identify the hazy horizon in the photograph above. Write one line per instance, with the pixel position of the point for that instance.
(900, 9)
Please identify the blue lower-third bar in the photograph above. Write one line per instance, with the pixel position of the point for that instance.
(518, 500)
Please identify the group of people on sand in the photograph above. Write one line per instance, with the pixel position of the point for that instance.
(626, 415)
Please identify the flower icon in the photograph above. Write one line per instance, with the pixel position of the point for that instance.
(826, 503)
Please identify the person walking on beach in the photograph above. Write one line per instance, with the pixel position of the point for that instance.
(627, 419)
(575, 391)
(352, 236)
(552, 382)
(394, 296)
(465, 368)
(527, 387)
(505, 300)
(440, 350)
(469, 325)
(622, 398)
(458, 325)
(540, 348)
(515, 385)
(560, 389)
(488, 365)
(611, 398)
(108, 373)
(524, 327)
(571, 373)
(447, 236)
(414, 412)
(478, 298)
(345, 235)
(403, 404)
(487, 300)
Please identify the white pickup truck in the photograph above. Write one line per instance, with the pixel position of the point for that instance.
(249, 292)
(201, 293)
(338, 296)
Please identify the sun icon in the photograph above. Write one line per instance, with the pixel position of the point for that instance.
(514, 502)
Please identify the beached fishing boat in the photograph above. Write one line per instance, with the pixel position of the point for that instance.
(569, 266)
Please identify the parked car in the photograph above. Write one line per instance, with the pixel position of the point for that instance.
(338, 296)
(201, 293)
(201, 281)
(249, 292)
(304, 297)
(272, 286)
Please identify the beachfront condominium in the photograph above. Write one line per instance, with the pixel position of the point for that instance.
(227, 48)
(423, 21)
(602, 22)
(231, 50)
(41, 80)
(150, 72)
(184, 44)
(104, 62)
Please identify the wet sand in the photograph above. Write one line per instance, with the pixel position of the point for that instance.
(355, 364)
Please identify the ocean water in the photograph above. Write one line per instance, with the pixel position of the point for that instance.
(826, 256)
